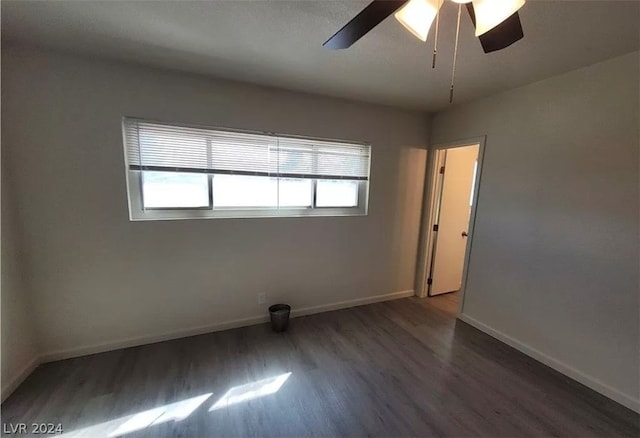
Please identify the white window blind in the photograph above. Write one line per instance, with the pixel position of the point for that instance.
(152, 146)
(184, 172)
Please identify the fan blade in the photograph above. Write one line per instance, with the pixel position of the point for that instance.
(501, 36)
(362, 23)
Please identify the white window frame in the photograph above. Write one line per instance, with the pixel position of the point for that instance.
(137, 212)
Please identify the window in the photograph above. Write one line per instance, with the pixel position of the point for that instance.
(181, 172)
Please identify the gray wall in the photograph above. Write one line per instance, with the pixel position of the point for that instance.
(98, 280)
(18, 344)
(554, 262)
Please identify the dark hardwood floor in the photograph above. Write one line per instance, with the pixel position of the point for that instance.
(399, 368)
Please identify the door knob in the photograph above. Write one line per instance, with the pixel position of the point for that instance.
(464, 234)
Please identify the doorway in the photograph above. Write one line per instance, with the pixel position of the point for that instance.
(453, 180)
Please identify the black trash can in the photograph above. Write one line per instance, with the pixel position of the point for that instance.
(279, 316)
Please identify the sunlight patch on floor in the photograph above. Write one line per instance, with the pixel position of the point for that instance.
(250, 391)
(175, 412)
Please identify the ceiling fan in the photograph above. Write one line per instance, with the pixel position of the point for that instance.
(496, 22)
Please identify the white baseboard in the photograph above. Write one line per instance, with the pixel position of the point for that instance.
(9, 387)
(351, 303)
(589, 381)
(142, 340)
(149, 339)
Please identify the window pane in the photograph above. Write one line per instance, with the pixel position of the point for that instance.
(174, 190)
(244, 191)
(336, 193)
(295, 192)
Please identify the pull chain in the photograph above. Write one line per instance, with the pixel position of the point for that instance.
(455, 55)
(435, 42)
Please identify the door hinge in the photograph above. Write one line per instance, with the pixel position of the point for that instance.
(429, 280)
(435, 227)
(442, 169)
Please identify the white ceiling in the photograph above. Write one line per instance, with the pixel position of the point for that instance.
(279, 43)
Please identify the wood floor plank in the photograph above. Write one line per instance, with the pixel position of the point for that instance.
(401, 368)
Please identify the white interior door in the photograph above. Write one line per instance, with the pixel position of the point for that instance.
(453, 220)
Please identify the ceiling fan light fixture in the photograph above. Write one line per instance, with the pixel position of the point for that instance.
(490, 13)
(417, 15)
